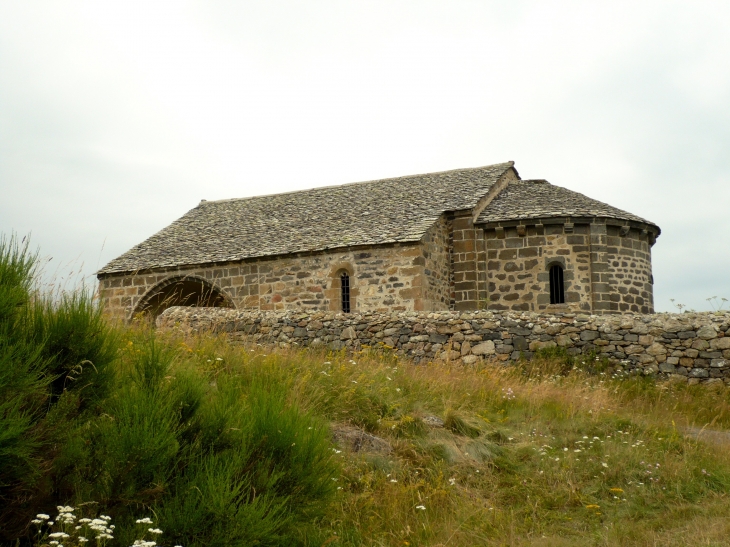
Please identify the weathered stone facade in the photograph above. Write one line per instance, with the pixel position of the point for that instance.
(606, 268)
(694, 347)
(398, 278)
(459, 240)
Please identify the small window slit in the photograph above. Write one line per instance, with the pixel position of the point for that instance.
(345, 287)
(557, 288)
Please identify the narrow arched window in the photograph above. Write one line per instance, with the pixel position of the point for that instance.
(345, 289)
(557, 289)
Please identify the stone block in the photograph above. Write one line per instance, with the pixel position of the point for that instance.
(520, 343)
(537, 345)
(348, 334)
(465, 348)
(718, 363)
(706, 333)
(700, 345)
(656, 349)
(449, 355)
(699, 373)
(646, 339)
(644, 359)
(588, 335)
(485, 348)
(720, 343)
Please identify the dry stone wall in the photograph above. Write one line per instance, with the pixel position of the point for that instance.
(693, 347)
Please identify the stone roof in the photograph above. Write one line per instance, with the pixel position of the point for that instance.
(365, 213)
(532, 199)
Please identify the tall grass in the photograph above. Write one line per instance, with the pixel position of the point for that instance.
(121, 421)
(557, 451)
(231, 445)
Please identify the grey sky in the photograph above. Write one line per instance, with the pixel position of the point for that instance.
(118, 117)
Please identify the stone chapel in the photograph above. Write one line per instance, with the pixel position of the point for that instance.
(467, 239)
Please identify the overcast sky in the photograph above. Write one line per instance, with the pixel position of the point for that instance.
(118, 117)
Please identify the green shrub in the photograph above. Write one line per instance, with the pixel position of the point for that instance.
(23, 379)
(221, 461)
(76, 342)
(221, 457)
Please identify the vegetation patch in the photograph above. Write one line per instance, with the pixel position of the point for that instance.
(189, 440)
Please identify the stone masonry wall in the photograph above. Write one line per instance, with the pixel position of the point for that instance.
(437, 291)
(519, 260)
(398, 278)
(631, 285)
(693, 347)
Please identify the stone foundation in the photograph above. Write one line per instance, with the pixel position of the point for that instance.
(693, 347)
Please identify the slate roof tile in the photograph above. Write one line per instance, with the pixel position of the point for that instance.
(365, 213)
(532, 199)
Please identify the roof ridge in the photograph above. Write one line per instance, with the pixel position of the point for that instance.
(390, 179)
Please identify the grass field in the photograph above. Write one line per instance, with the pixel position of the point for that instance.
(121, 435)
(539, 454)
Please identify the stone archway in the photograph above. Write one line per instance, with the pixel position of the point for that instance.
(185, 290)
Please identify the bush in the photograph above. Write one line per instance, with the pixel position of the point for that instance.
(23, 379)
(221, 458)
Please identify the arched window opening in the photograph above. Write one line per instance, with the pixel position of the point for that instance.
(184, 292)
(557, 289)
(345, 291)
